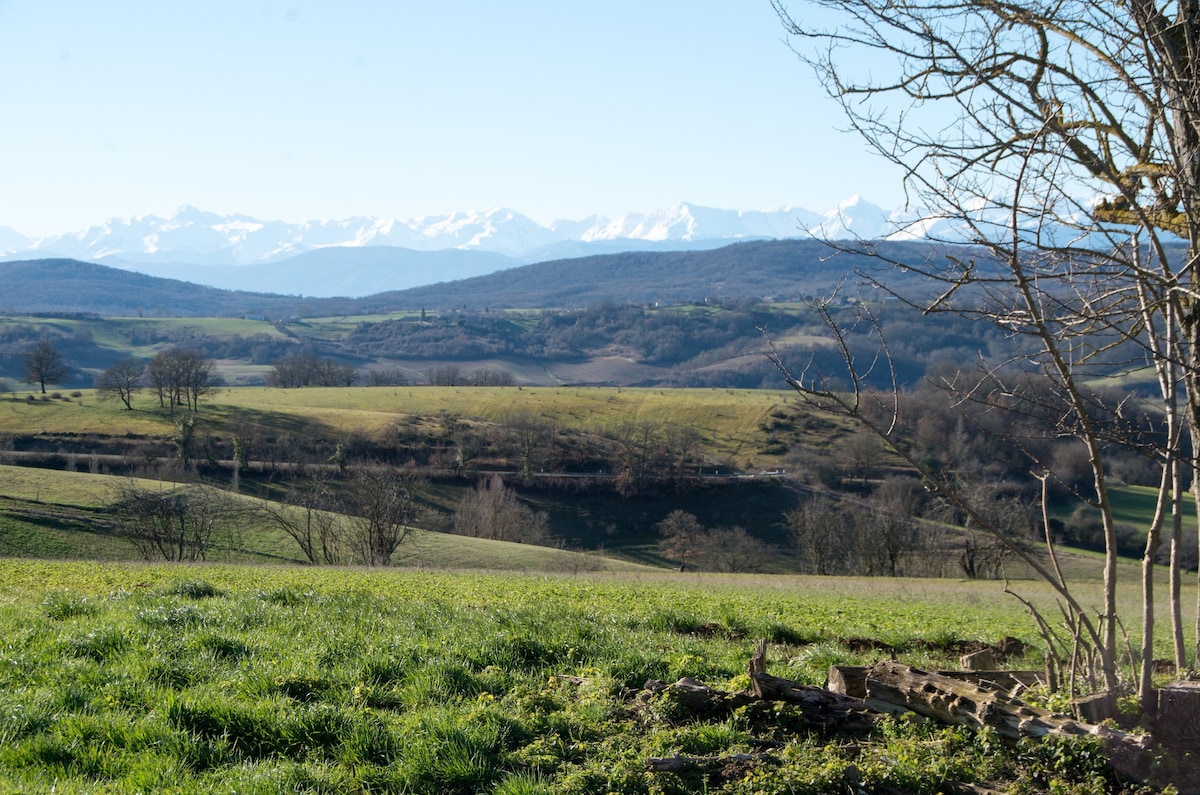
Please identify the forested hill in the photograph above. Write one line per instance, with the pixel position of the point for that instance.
(751, 270)
(60, 286)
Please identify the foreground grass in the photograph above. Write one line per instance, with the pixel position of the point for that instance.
(125, 678)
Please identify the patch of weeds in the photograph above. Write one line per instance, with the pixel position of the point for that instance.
(195, 589)
(260, 731)
(520, 651)
(222, 648)
(301, 687)
(674, 621)
(438, 682)
(523, 783)
(284, 597)
(371, 741)
(176, 673)
(18, 721)
(62, 605)
(99, 645)
(811, 664)
(455, 752)
(943, 640)
(787, 635)
(166, 616)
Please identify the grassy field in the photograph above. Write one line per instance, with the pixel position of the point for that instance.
(729, 420)
(1135, 505)
(65, 515)
(122, 678)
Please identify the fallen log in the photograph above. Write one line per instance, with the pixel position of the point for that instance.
(851, 680)
(896, 688)
(821, 708)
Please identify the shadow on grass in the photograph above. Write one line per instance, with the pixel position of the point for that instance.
(230, 419)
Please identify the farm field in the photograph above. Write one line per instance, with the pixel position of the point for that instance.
(730, 421)
(218, 678)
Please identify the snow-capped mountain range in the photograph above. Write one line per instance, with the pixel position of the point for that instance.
(358, 256)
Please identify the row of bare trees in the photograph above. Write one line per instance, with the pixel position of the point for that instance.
(1062, 141)
(179, 376)
(639, 455)
(361, 518)
(306, 369)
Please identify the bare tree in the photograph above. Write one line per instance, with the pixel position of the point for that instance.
(640, 447)
(45, 365)
(181, 377)
(680, 537)
(818, 531)
(307, 515)
(528, 434)
(378, 504)
(1007, 119)
(492, 510)
(176, 524)
(122, 380)
(732, 549)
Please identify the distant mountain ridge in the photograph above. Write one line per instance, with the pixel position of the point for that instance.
(195, 236)
(753, 270)
(367, 255)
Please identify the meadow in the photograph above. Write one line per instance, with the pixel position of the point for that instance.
(469, 666)
(732, 423)
(216, 678)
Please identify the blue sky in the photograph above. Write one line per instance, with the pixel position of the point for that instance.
(304, 110)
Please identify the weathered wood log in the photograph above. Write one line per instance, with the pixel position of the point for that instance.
(892, 687)
(851, 680)
(1178, 722)
(982, 660)
(1002, 680)
(821, 708)
(758, 660)
(1096, 707)
(848, 680)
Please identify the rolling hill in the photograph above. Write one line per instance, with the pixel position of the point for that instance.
(751, 270)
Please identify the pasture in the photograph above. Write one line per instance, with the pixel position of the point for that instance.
(216, 678)
(731, 423)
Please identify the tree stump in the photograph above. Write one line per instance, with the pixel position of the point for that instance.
(1178, 723)
(1096, 707)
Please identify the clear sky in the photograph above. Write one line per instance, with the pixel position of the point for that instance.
(399, 108)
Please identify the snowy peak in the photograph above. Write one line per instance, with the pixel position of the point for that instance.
(12, 240)
(855, 218)
(196, 236)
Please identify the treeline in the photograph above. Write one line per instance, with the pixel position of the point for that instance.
(721, 345)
